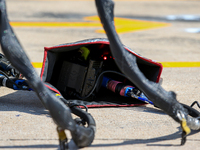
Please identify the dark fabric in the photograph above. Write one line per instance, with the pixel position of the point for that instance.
(54, 57)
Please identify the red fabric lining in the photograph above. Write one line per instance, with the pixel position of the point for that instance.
(53, 89)
(43, 65)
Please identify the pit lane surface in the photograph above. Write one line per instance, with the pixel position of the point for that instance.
(25, 124)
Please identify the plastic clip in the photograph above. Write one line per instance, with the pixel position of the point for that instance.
(62, 138)
(186, 130)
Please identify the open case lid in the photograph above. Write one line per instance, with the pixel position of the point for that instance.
(61, 55)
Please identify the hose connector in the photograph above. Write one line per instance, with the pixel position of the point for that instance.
(62, 138)
(193, 123)
(185, 128)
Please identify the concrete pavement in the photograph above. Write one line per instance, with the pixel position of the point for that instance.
(25, 124)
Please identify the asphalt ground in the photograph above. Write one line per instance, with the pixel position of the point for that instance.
(25, 124)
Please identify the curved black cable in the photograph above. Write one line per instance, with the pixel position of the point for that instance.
(195, 102)
(97, 82)
(191, 111)
(60, 113)
(128, 65)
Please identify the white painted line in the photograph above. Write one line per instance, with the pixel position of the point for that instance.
(193, 30)
(183, 17)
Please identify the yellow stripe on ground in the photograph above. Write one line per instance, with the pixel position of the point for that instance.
(180, 64)
(54, 24)
(37, 64)
(123, 25)
(165, 64)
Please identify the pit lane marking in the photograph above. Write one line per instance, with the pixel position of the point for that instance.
(123, 25)
(180, 64)
(165, 64)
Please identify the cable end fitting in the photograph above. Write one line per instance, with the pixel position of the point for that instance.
(186, 130)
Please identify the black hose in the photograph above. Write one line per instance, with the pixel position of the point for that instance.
(14, 52)
(191, 111)
(97, 82)
(126, 62)
(86, 133)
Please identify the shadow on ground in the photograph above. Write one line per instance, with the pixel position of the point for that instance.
(28, 102)
(22, 101)
(148, 142)
(30, 146)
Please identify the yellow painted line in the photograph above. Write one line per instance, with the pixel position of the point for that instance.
(122, 25)
(54, 24)
(37, 64)
(180, 64)
(165, 64)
